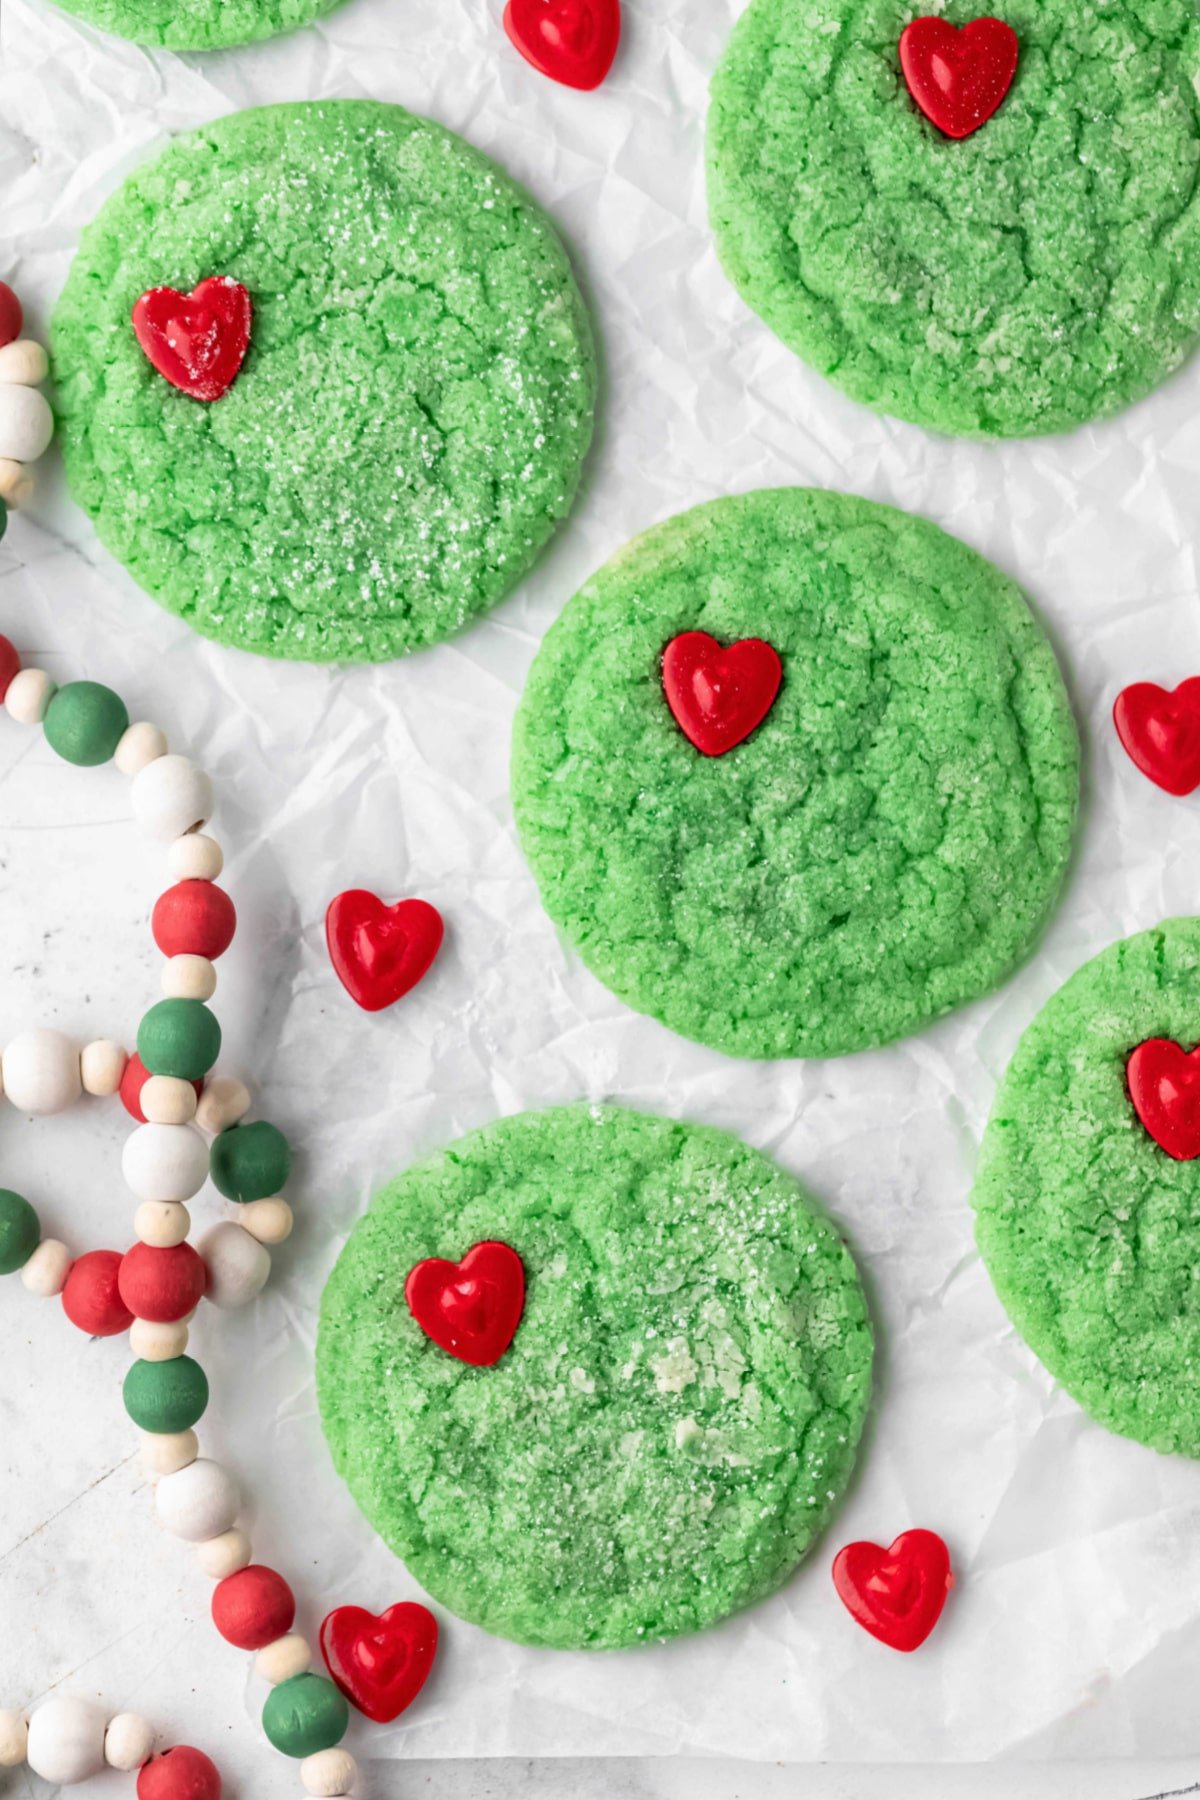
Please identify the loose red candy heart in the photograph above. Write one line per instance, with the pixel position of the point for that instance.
(471, 1308)
(571, 41)
(719, 694)
(380, 1663)
(1164, 1085)
(379, 952)
(197, 341)
(1160, 730)
(958, 78)
(896, 1594)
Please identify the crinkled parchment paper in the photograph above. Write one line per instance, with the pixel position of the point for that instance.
(1075, 1630)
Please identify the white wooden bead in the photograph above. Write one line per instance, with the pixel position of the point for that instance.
(45, 1274)
(26, 423)
(128, 1742)
(223, 1102)
(140, 745)
(329, 1772)
(188, 978)
(17, 483)
(198, 1503)
(165, 1162)
(286, 1657)
(166, 1452)
(101, 1066)
(162, 1223)
(166, 1100)
(41, 1072)
(224, 1555)
(66, 1740)
(170, 796)
(157, 1341)
(238, 1265)
(24, 363)
(28, 695)
(195, 858)
(14, 1734)
(270, 1221)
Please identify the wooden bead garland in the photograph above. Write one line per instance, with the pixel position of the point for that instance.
(26, 421)
(67, 1739)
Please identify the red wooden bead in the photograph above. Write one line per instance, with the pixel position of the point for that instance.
(133, 1081)
(253, 1608)
(11, 316)
(162, 1284)
(179, 1774)
(10, 663)
(91, 1298)
(194, 918)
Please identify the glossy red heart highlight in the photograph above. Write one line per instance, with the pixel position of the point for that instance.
(470, 1308)
(196, 341)
(1160, 731)
(572, 41)
(958, 78)
(382, 1662)
(719, 693)
(1164, 1085)
(380, 952)
(896, 1594)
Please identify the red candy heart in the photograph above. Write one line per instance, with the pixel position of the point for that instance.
(472, 1308)
(1160, 730)
(196, 341)
(379, 952)
(572, 41)
(717, 693)
(896, 1594)
(1164, 1085)
(380, 1664)
(958, 78)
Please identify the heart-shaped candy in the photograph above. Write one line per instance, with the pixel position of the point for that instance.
(958, 78)
(1160, 730)
(896, 1594)
(196, 341)
(470, 1308)
(719, 693)
(572, 41)
(379, 952)
(380, 1663)
(1164, 1085)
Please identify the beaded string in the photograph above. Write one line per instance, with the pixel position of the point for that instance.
(68, 1739)
(155, 1287)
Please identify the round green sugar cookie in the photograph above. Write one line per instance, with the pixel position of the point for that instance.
(197, 24)
(409, 422)
(676, 1415)
(1039, 273)
(885, 845)
(1087, 1227)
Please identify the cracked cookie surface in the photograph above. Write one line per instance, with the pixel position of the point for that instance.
(198, 24)
(1088, 1228)
(409, 423)
(676, 1416)
(884, 847)
(1040, 273)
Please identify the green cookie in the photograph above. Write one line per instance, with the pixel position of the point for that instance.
(197, 24)
(1042, 272)
(885, 846)
(1087, 1227)
(676, 1415)
(408, 426)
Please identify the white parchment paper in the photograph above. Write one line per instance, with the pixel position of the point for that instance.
(1075, 1629)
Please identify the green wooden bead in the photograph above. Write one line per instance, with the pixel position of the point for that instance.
(250, 1162)
(3, 518)
(20, 1232)
(180, 1038)
(85, 722)
(304, 1715)
(166, 1396)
